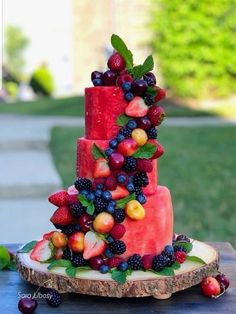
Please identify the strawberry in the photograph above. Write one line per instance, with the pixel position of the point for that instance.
(114, 261)
(116, 62)
(161, 93)
(119, 193)
(156, 114)
(136, 108)
(101, 168)
(111, 183)
(144, 165)
(62, 216)
(58, 198)
(147, 261)
(72, 199)
(93, 245)
(180, 256)
(160, 150)
(42, 251)
(48, 235)
(117, 231)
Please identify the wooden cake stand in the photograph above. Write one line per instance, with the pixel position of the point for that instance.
(138, 284)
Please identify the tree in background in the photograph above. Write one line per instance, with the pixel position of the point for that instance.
(42, 81)
(15, 43)
(195, 43)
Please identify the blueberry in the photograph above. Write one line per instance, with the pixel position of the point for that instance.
(141, 199)
(126, 86)
(113, 143)
(129, 96)
(109, 151)
(90, 196)
(132, 124)
(121, 178)
(169, 250)
(131, 179)
(104, 269)
(97, 82)
(110, 239)
(130, 187)
(100, 186)
(106, 195)
(98, 193)
(110, 208)
(112, 202)
(84, 192)
(108, 253)
(123, 266)
(120, 138)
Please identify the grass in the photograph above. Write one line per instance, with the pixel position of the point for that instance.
(74, 106)
(198, 169)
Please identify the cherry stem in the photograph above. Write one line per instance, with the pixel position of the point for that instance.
(219, 295)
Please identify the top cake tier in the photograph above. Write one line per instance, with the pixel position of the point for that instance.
(102, 107)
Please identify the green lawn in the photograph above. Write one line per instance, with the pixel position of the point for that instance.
(74, 106)
(198, 167)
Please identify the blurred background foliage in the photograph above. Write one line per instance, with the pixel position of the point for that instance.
(195, 44)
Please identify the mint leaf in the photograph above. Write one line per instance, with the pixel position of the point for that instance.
(59, 263)
(148, 65)
(196, 259)
(119, 45)
(176, 265)
(137, 71)
(167, 271)
(97, 152)
(4, 257)
(145, 151)
(71, 271)
(122, 120)
(90, 209)
(82, 268)
(186, 245)
(119, 276)
(123, 201)
(151, 91)
(28, 247)
(83, 200)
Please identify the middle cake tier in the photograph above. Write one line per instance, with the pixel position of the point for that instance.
(85, 163)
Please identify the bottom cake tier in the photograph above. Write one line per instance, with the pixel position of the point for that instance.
(151, 234)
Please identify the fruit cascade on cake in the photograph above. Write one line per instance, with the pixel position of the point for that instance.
(115, 218)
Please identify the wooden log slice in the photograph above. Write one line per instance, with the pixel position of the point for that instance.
(139, 284)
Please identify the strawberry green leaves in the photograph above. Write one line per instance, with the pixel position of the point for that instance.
(119, 45)
(97, 152)
(88, 204)
(145, 151)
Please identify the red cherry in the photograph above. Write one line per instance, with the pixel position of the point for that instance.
(27, 305)
(144, 123)
(139, 87)
(223, 281)
(85, 222)
(156, 114)
(96, 262)
(116, 62)
(210, 287)
(116, 161)
(109, 78)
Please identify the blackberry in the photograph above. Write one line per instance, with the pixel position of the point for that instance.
(125, 131)
(83, 184)
(53, 297)
(77, 209)
(152, 133)
(130, 164)
(135, 262)
(160, 262)
(117, 247)
(119, 215)
(150, 81)
(67, 254)
(100, 205)
(149, 100)
(78, 260)
(182, 238)
(141, 179)
(179, 248)
(137, 190)
(70, 229)
(171, 260)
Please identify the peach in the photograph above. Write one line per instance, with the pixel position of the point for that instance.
(140, 136)
(135, 210)
(76, 242)
(103, 222)
(59, 239)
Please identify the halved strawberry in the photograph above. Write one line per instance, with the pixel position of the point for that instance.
(58, 198)
(42, 251)
(48, 235)
(119, 193)
(136, 108)
(93, 245)
(101, 169)
(62, 216)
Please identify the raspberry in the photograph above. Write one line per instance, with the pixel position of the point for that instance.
(135, 262)
(160, 262)
(118, 231)
(182, 238)
(147, 261)
(130, 164)
(141, 179)
(116, 62)
(117, 247)
(67, 254)
(100, 205)
(152, 133)
(72, 199)
(53, 297)
(77, 209)
(111, 183)
(144, 165)
(119, 215)
(149, 100)
(125, 131)
(114, 261)
(180, 256)
(83, 184)
(78, 260)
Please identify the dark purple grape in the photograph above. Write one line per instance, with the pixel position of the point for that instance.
(150, 77)
(144, 123)
(139, 87)
(27, 305)
(96, 75)
(109, 78)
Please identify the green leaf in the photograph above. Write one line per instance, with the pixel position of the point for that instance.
(83, 200)
(186, 245)
(119, 276)
(11, 265)
(59, 263)
(123, 201)
(196, 259)
(176, 265)
(119, 45)
(137, 71)
(122, 120)
(167, 271)
(129, 272)
(71, 271)
(97, 152)
(4, 257)
(151, 91)
(28, 247)
(90, 209)
(148, 65)
(83, 268)
(145, 151)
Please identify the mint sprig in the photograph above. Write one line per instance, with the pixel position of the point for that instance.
(145, 151)
(28, 247)
(123, 201)
(139, 70)
(120, 276)
(88, 204)
(59, 263)
(97, 152)
(196, 259)
(122, 120)
(119, 45)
